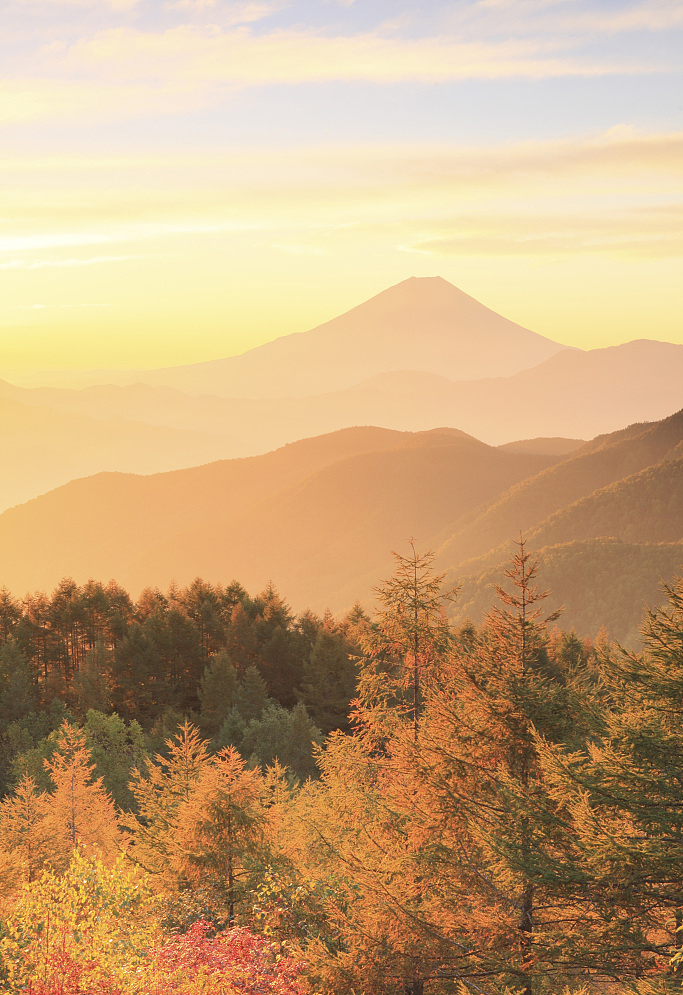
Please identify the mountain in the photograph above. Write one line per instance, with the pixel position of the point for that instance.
(600, 584)
(42, 447)
(571, 395)
(320, 517)
(604, 554)
(314, 516)
(424, 324)
(523, 507)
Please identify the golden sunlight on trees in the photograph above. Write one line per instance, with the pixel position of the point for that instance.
(499, 812)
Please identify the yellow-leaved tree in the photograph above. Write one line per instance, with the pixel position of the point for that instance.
(79, 811)
(27, 840)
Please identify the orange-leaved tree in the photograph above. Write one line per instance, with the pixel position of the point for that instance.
(79, 809)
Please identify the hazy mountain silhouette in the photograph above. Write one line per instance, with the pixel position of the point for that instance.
(320, 516)
(314, 516)
(41, 447)
(573, 394)
(423, 323)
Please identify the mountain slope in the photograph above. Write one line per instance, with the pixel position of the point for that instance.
(603, 584)
(530, 502)
(313, 516)
(41, 448)
(424, 323)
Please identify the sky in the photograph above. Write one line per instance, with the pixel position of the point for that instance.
(181, 180)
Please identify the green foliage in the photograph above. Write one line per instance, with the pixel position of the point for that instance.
(251, 697)
(329, 680)
(216, 692)
(287, 737)
(117, 750)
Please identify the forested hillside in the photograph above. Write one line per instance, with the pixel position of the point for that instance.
(206, 794)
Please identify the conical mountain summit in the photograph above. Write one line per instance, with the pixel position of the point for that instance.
(423, 324)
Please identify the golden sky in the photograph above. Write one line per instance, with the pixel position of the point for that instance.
(183, 180)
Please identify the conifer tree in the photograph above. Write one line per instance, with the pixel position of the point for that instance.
(26, 839)
(216, 692)
(79, 807)
(328, 680)
(625, 798)
(220, 839)
(91, 686)
(251, 697)
(160, 788)
(401, 650)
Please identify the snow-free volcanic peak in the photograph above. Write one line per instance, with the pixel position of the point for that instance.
(423, 323)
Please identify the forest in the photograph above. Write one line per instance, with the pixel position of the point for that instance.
(204, 793)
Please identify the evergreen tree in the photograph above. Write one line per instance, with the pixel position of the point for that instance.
(288, 737)
(216, 692)
(251, 697)
(91, 686)
(328, 680)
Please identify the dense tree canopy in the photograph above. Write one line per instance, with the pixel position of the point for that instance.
(203, 793)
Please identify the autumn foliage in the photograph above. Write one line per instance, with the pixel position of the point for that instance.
(501, 815)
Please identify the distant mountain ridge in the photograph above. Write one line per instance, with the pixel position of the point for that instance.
(423, 323)
(404, 356)
(319, 518)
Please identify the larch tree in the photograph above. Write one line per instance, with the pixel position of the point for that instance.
(625, 797)
(220, 840)
(27, 842)
(79, 807)
(160, 787)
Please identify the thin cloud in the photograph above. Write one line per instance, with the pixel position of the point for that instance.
(241, 58)
(34, 264)
(645, 232)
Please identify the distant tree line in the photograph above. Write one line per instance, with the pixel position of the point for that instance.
(245, 669)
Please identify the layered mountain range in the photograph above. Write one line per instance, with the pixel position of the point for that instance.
(418, 355)
(319, 518)
(196, 471)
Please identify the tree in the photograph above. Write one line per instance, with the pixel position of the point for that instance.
(88, 930)
(410, 634)
(251, 697)
(625, 799)
(79, 808)
(160, 788)
(288, 737)
(220, 837)
(26, 841)
(361, 818)
(91, 686)
(117, 750)
(216, 692)
(328, 680)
